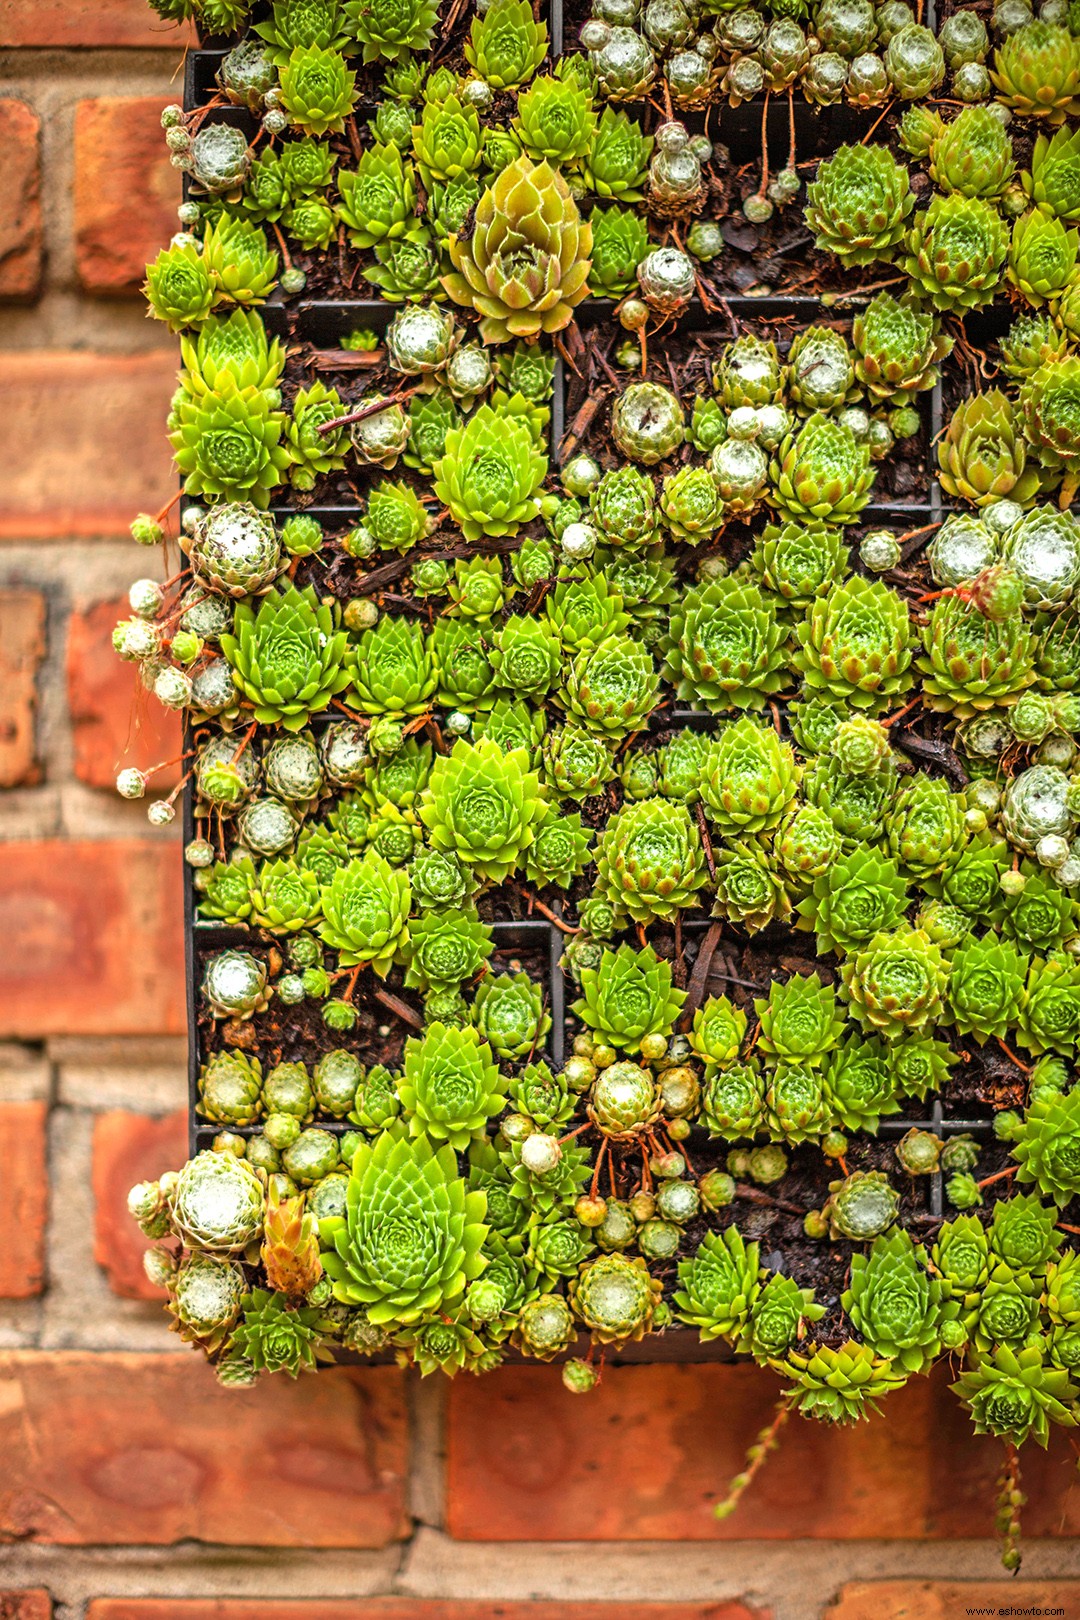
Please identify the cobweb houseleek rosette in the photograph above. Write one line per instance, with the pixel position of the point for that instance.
(526, 265)
(287, 656)
(412, 1235)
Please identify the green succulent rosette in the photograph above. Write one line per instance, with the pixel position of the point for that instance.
(610, 689)
(972, 662)
(1049, 1013)
(858, 206)
(896, 983)
(506, 44)
(719, 1286)
(377, 199)
(561, 850)
(525, 266)
(491, 473)
(800, 1022)
(860, 1086)
(855, 645)
(799, 561)
(838, 1386)
(366, 913)
(629, 995)
(412, 1235)
(509, 1012)
(615, 1298)
(286, 656)
(390, 30)
(392, 668)
(895, 1304)
(483, 806)
(649, 859)
(446, 946)
(227, 443)
(750, 890)
(1014, 1394)
(724, 648)
(750, 779)
(451, 1085)
(1048, 1147)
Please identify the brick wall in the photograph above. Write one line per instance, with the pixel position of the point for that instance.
(130, 1487)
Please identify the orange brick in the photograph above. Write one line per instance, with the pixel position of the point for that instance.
(85, 444)
(128, 1148)
(126, 190)
(25, 1605)
(87, 22)
(99, 931)
(108, 1449)
(115, 721)
(20, 200)
(944, 1600)
(410, 1609)
(22, 647)
(24, 1204)
(523, 1462)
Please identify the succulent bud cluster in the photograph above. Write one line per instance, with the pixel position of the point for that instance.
(665, 685)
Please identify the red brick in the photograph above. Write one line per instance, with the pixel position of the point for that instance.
(945, 1600)
(24, 1204)
(390, 1608)
(85, 444)
(26, 1605)
(126, 190)
(150, 1450)
(99, 931)
(128, 1148)
(527, 1461)
(115, 721)
(22, 647)
(87, 22)
(20, 200)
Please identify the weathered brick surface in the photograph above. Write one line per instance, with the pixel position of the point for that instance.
(86, 22)
(390, 1608)
(523, 1462)
(99, 930)
(84, 441)
(129, 1148)
(20, 200)
(24, 1192)
(148, 1449)
(25, 1605)
(22, 647)
(126, 190)
(115, 721)
(946, 1600)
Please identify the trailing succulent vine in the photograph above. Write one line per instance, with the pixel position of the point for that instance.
(799, 787)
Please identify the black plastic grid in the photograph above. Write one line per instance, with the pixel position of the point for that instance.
(323, 322)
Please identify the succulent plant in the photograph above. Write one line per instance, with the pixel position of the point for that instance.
(858, 205)
(973, 154)
(286, 657)
(956, 252)
(896, 982)
(483, 806)
(1037, 72)
(1042, 257)
(526, 264)
(860, 1086)
(897, 349)
(318, 91)
(719, 1287)
(895, 1305)
(724, 647)
(799, 561)
(821, 474)
(855, 645)
(629, 995)
(1014, 1394)
(838, 1385)
(649, 859)
(799, 1022)
(447, 944)
(411, 1238)
(615, 1298)
(490, 474)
